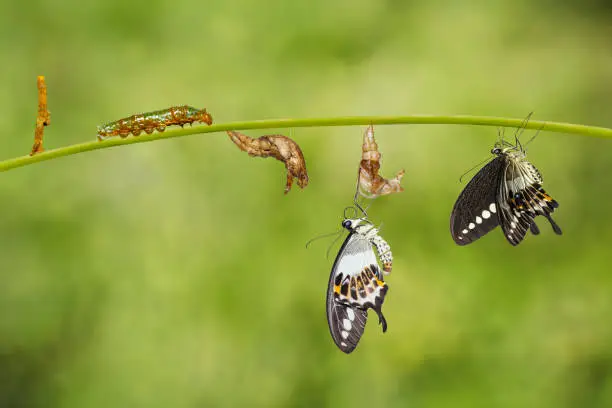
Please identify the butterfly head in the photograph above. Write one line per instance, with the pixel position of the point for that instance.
(352, 223)
(508, 149)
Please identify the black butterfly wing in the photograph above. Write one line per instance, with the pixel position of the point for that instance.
(347, 340)
(521, 199)
(514, 221)
(475, 211)
(354, 286)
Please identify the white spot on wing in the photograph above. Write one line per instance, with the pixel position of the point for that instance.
(486, 214)
(344, 334)
(346, 323)
(492, 208)
(472, 225)
(350, 314)
(478, 220)
(465, 231)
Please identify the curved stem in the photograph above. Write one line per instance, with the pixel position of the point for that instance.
(293, 123)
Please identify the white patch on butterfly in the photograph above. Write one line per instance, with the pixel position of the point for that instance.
(346, 323)
(478, 220)
(350, 314)
(492, 208)
(351, 264)
(486, 214)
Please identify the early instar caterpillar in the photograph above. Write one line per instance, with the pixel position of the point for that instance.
(43, 118)
(151, 121)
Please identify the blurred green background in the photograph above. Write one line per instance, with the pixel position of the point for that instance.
(174, 273)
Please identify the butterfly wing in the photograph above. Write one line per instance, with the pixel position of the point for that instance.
(521, 198)
(475, 211)
(355, 285)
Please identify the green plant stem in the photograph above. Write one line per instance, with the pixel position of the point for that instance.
(315, 122)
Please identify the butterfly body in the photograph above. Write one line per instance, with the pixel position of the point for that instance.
(507, 191)
(356, 283)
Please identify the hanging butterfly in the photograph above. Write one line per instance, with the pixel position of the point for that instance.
(356, 283)
(507, 191)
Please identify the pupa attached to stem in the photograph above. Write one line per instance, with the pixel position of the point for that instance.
(281, 148)
(370, 184)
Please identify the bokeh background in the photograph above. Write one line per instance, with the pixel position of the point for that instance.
(175, 274)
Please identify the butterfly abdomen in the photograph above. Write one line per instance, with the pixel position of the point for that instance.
(384, 253)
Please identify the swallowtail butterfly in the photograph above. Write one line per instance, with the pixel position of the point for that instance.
(507, 191)
(356, 283)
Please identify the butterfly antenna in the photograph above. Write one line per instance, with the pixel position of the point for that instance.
(322, 236)
(473, 168)
(331, 245)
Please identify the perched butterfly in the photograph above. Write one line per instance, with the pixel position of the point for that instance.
(356, 283)
(507, 191)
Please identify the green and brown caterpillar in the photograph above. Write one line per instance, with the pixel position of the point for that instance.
(151, 121)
